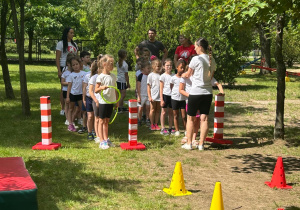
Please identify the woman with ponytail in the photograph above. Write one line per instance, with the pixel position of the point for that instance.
(202, 67)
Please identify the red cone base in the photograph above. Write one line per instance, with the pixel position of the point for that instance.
(219, 141)
(52, 146)
(127, 146)
(278, 178)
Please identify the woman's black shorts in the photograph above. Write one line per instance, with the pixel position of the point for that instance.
(199, 102)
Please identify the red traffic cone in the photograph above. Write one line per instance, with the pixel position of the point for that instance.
(278, 178)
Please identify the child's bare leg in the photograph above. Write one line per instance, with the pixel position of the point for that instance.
(152, 114)
(156, 109)
(171, 117)
(183, 116)
(123, 95)
(66, 109)
(90, 121)
(96, 126)
(100, 129)
(147, 111)
(105, 128)
(70, 112)
(162, 117)
(175, 113)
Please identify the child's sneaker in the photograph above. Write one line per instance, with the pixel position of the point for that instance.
(110, 144)
(164, 132)
(187, 146)
(148, 123)
(103, 145)
(201, 147)
(93, 133)
(153, 128)
(75, 126)
(195, 143)
(177, 133)
(171, 131)
(62, 112)
(66, 122)
(139, 122)
(80, 121)
(82, 130)
(71, 128)
(90, 137)
(97, 140)
(157, 127)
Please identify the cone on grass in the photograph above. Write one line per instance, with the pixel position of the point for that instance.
(177, 186)
(217, 199)
(278, 178)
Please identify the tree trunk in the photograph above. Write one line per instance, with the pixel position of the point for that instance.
(30, 36)
(281, 70)
(265, 44)
(20, 45)
(6, 77)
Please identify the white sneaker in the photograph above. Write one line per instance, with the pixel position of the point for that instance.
(177, 133)
(75, 126)
(200, 147)
(62, 112)
(67, 122)
(187, 146)
(97, 140)
(80, 121)
(184, 133)
(103, 145)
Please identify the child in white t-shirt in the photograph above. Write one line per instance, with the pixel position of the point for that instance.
(105, 79)
(165, 98)
(178, 100)
(153, 93)
(74, 92)
(86, 60)
(123, 78)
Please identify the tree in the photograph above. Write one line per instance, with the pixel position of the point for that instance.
(291, 40)
(6, 77)
(19, 33)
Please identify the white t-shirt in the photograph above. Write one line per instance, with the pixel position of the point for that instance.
(109, 93)
(213, 82)
(70, 49)
(188, 84)
(92, 81)
(137, 73)
(86, 80)
(121, 72)
(166, 78)
(142, 78)
(76, 79)
(86, 68)
(175, 95)
(153, 81)
(202, 74)
(65, 75)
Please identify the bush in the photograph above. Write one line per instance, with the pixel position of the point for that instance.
(11, 47)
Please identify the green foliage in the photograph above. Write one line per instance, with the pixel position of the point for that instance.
(291, 47)
(11, 47)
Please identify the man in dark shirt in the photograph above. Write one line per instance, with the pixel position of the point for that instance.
(153, 45)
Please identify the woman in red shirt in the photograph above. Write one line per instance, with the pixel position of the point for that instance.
(185, 51)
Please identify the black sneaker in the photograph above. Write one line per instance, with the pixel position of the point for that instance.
(82, 130)
(90, 137)
(120, 110)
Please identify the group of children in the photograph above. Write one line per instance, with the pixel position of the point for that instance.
(159, 93)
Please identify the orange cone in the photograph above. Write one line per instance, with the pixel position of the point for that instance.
(278, 178)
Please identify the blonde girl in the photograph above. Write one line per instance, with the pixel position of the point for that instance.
(153, 87)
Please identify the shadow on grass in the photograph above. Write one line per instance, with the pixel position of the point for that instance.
(258, 162)
(64, 180)
(292, 208)
(245, 87)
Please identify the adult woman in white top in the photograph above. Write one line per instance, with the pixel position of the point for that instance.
(202, 67)
(63, 48)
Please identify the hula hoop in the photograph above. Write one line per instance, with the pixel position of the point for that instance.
(112, 102)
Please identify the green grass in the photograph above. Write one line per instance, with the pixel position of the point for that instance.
(81, 176)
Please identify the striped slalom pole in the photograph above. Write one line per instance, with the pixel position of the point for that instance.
(46, 126)
(132, 144)
(219, 121)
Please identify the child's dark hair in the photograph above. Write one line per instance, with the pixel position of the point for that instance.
(167, 60)
(145, 49)
(84, 53)
(65, 39)
(180, 61)
(122, 55)
(144, 64)
(206, 47)
(77, 58)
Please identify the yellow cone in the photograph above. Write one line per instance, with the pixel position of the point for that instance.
(287, 79)
(177, 187)
(217, 199)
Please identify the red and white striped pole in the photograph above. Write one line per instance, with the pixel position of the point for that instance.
(46, 126)
(132, 128)
(219, 121)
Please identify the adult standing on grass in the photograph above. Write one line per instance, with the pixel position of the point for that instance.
(153, 45)
(63, 48)
(186, 50)
(202, 67)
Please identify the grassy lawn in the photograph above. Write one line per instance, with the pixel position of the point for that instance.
(81, 176)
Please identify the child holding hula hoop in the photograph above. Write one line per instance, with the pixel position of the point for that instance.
(104, 80)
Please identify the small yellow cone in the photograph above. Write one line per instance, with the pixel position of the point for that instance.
(287, 79)
(177, 187)
(217, 199)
